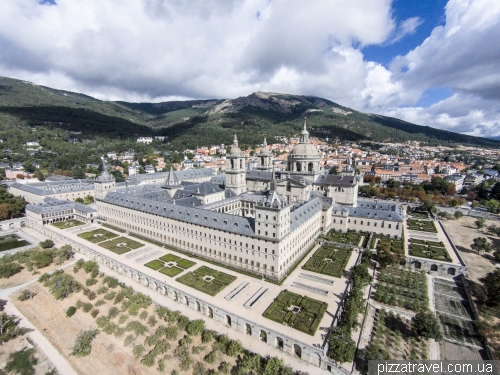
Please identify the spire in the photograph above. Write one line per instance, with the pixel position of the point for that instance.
(304, 137)
(305, 123)
(172, 178)
(273, 184)
(265, 142)
(105, 175)
(235, 141)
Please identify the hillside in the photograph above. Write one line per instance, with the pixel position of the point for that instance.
(204, 122)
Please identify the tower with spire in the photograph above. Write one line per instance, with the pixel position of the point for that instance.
(264, 158)
(236, 168)
(272, 215)
(104, 183)
(172, 183)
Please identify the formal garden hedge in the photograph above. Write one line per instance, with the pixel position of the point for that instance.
(395, 245)
(68, 224)
(348, 238)
(459, 329)
(299, 312)
(421, 225)
(170, 269)
(329, 261)
(429, 250)
(121, 245)
(402, 287)
(197, 280)
(98, 235)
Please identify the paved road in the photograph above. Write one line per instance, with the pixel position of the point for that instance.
(59, 362)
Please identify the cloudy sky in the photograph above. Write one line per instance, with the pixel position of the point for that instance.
(431, 62)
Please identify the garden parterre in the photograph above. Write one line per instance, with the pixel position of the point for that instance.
(429, 249)
(206, 280)
(98, 235)
(329, 261)
(421, 225)
(170, 265)
(121, 245)
(348, 238)
(68, 224)
(299, 312)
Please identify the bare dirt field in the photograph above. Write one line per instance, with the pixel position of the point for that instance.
(109, 354)
(43, 364)
(462, 232)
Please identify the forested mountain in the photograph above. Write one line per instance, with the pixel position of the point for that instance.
(205, 122)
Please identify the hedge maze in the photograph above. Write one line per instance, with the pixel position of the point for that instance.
(299, 312)
(170, 265)
(329, 261)
(421, 225)
(429, 249)
(402, 287)
(206, 280)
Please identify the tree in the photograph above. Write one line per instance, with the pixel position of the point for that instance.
(28, 167)
(273, 366)
(22, 362)
(9, 269)
(428, 206)
(392, 183)
(479, 223)
(426, 325)
(341, 346)
(89, 199)
(79, 200)
(83, 343)
(491, 283)
(195, 327)
(481, 244)
(493, 206)
(474, 204)
(38, 174)
(495, 192)
(47, 244)
(458, 214)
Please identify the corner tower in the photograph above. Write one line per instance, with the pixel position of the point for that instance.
(264, 158)
(104, 183)
(236, 169)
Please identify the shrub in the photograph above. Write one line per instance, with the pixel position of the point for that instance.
(234, 348)
(47, 244)
(152, 321)
(111, 281)
(83, 343)
(87, 306)
(91, 267)
(90, 282)
(211, 357)
(207, 335)
(21, 362)
(70, 311)
(99, 303)
(195, 327)
(143, 315)
(122, 318)
(138, 351)
(171, 332)
(9, 269)
(42, 259)
(60, 284)
(94, 313)
(137, 327)
(183, 322)
(26, 295)
(113, 312)
(109, 296)
(102, 290)
(91, 295)
(128, 340)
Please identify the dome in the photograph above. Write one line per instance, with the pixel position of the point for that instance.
(304, 150)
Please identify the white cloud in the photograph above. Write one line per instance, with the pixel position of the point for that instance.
(153, 50)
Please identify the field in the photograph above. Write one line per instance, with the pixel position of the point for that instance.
(402, 287)
(392, 335)
(98, 235)
(68, 224)
(121, 245)
(329, 261)
(170, 265)
(207, 280)
(299, 312)
(429, 250)
(421, 225)
(348, 238)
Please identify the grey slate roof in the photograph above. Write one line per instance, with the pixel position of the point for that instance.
(202, 189)
(52, 205)
(53, 188)
(304, 212)
(255, 175)
(373, 210)
(186, 174)
(210, 219)
(336, 180)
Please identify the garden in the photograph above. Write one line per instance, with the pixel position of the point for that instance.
(394, 245)
(299, 312)
(402, 287)
(121, 245)
(392, 338)
(98, 235)
(429, 249)
(68, 224)
(460, 330)
(348, 238)
(170, 265)
(421, 225)
(206, 280)
(329, 261)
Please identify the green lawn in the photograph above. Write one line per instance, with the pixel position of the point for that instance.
(170, 258)
(171, 271)
(429, 250)
(155, 264)
(306, 318)
(121, 245)
(68, 224)
(98, 235)
(328, 261)
(196, 280)
(184, 263)
(349, 237)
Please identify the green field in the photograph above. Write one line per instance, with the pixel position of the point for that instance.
(98, 235)
(329, 261)
(196, 280)
(121, 245)
(299, 312)
(68, 224)
(155, 264)
(171, 271)
(179, 265)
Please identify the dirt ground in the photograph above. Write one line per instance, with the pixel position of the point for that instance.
(462, 232)
(25, 275)
(109, 355)
(43, 365)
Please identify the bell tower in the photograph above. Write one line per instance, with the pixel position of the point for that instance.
(104, 183)
(236, 169)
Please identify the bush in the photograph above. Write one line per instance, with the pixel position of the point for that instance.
(195, 327)
(102, 290)
(113, 312)
(234, 348)
(87, 306)
(42, 259)
(94, 313)
(60, 284)
(47, 244)
(111, 281)
(90, 282)
(70, 311)
(152, 321)
(138, 351)
(143, 315)
(26, 295)
(91, 267)
(9, 269)
(128, 340)
(21, 362)
(83, 343)
(426, 325)
(99, 302)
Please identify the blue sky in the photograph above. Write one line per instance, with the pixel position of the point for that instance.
(430, 62)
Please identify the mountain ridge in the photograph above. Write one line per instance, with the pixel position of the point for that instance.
(212, 121)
